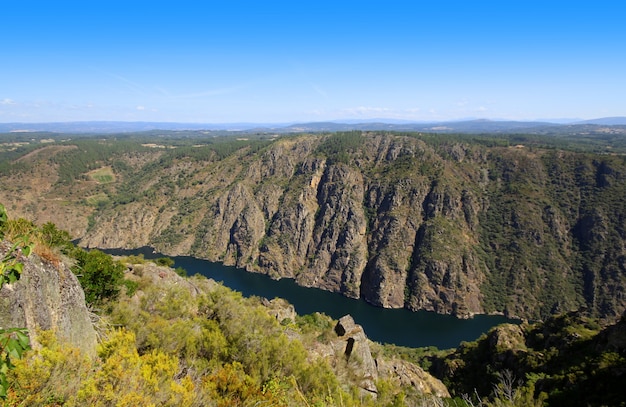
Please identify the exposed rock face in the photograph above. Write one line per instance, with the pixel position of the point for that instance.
(280, 309)
(352, 348)
(408, 374)
(451, 227)
(49, 297)
(353, 345)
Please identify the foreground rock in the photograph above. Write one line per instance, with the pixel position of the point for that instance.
(352, 344)
(350, 350)
(48, 297)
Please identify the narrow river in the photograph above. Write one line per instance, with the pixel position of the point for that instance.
(397, 326)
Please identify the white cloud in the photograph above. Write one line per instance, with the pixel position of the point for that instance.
(141, 107)
(7, 101)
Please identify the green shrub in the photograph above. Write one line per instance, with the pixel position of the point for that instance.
(131, 287)
(164, 261)
(100, 276)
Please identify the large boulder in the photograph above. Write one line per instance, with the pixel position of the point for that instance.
(48, 296)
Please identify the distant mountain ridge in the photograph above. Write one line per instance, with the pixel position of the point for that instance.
(606, 121)
(463, 126)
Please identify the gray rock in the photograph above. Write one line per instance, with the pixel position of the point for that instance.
(280, 309)
(354, 346)
(49, 297)
(404, 373)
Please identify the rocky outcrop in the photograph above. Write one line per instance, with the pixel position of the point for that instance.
(281, 309)
(407, 374)
(48, 297)
(350, 350)
(353, 346)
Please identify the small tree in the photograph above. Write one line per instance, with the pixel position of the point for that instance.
(100, 276)
(165, 261)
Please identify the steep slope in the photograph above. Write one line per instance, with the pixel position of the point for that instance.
(446, 224)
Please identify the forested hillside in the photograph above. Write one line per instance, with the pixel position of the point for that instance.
(524, 226)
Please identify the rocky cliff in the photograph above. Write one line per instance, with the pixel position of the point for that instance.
(449, 225)
(48, 297)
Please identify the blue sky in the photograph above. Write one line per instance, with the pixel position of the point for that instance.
(237, 61)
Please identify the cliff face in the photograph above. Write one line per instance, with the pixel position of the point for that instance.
(49, 297)
(453, 227)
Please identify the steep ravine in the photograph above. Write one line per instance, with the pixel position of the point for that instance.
(456, 228)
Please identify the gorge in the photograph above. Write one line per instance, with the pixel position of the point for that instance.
(446, 223)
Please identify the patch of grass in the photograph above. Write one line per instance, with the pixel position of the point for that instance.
(102, 175)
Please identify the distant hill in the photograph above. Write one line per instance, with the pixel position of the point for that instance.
(464, 126)
(606, 121)
(125, 127)
(469, 126)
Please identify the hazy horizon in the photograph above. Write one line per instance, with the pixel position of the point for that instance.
(247, 62)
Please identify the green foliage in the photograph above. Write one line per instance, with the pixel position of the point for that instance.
(100, 276)
(566, 360)
(422, 357)
(13, 343)
(216, 149)
(3, 219)
(10, 265)
(131, 287)
(341, 146)
(342, 141)
(164, 261)
(89, 155)
(134, 259)
(54, 237)
(244, 351)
